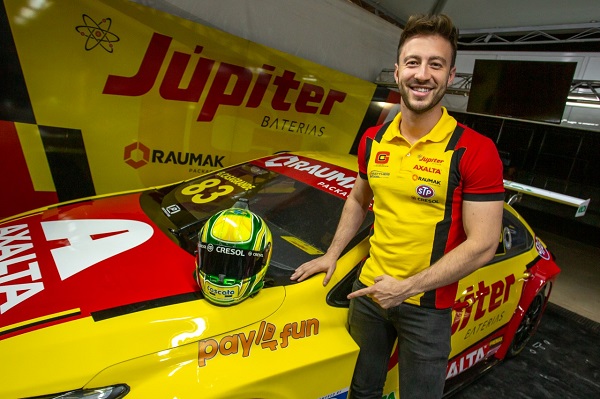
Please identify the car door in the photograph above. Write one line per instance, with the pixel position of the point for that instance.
(487, 298)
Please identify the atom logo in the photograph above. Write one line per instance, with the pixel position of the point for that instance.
(136, 155)
(96, 34)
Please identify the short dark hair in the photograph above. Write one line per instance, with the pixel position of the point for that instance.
(439, 24)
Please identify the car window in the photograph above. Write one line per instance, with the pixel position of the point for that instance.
(515, 239)
(302, 218)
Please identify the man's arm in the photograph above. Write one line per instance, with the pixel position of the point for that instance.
(482, 223)
(353, 214)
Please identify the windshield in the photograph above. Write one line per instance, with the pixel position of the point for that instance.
(302, 219)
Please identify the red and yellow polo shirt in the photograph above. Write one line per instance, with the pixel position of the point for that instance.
(418, 192)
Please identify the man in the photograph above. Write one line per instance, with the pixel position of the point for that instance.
(438, 199)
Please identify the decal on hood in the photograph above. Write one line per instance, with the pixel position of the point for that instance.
(324, 176)
(92, 241)
(68, 263)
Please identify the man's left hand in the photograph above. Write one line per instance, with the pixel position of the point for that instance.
(387, 292)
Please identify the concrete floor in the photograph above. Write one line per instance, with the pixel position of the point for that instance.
(578, 286)
(562, 360)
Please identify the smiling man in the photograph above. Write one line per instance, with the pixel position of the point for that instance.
(438, 199)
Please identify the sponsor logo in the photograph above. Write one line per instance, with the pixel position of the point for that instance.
(469, 359)
(291, 126)
(427, 169)
(231, 85)
(480, 301)
(326, 173)
(265, 338)
(137, 155)
(541, 250)
(382, 157)
(229, 250)
(425, 191)
(427, 180)
(224, 292)
(425, 159)
(376, 174)
(88, 243)
(171, 210)
(97, 34)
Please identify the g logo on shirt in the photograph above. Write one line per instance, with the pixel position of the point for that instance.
(382, 157)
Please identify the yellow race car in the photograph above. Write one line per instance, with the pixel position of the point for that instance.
(98, 297)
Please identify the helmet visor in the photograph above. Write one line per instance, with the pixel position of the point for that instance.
(230, 263)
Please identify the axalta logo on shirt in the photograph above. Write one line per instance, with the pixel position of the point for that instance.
(231, 85)
(427, 169)
(20, 274)
(137, 155)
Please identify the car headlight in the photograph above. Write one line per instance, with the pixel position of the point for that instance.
(113, 392)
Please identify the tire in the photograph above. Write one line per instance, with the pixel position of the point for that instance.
(528, 325)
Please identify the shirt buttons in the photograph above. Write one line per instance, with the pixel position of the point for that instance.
(408, 155)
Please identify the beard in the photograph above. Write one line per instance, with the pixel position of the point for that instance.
(421, 106)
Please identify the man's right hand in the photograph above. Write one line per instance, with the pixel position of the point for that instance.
(321, 264)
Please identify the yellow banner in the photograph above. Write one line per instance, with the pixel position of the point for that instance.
(157, 98)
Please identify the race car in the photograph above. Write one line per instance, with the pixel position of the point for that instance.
(99, 297)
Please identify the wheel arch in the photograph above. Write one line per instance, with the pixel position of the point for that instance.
(542, 277)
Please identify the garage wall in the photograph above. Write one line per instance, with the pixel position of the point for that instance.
(588, 68)
(340, 35)
(334, 33)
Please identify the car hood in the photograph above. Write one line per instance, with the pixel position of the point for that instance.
(89, 285)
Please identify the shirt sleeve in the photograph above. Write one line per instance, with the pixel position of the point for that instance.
(482, 170)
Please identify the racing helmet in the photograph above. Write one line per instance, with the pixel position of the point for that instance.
(234, 251)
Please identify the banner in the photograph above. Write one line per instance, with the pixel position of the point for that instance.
(105, 96)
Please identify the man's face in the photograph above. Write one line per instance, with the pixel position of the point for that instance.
(423, 72)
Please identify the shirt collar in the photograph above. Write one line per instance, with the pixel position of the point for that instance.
(444, 127)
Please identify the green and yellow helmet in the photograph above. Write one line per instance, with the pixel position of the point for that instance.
(234, 251)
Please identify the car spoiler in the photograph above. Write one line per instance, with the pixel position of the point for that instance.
(520, 188)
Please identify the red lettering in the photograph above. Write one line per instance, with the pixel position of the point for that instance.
(333, 97)
(218, 95)
(481, 294)
(260, 87)
(496, 296)
(284, 83)
(229, 87)
(309, 93)
(143, 80)
(169, 89)
(498, 292)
